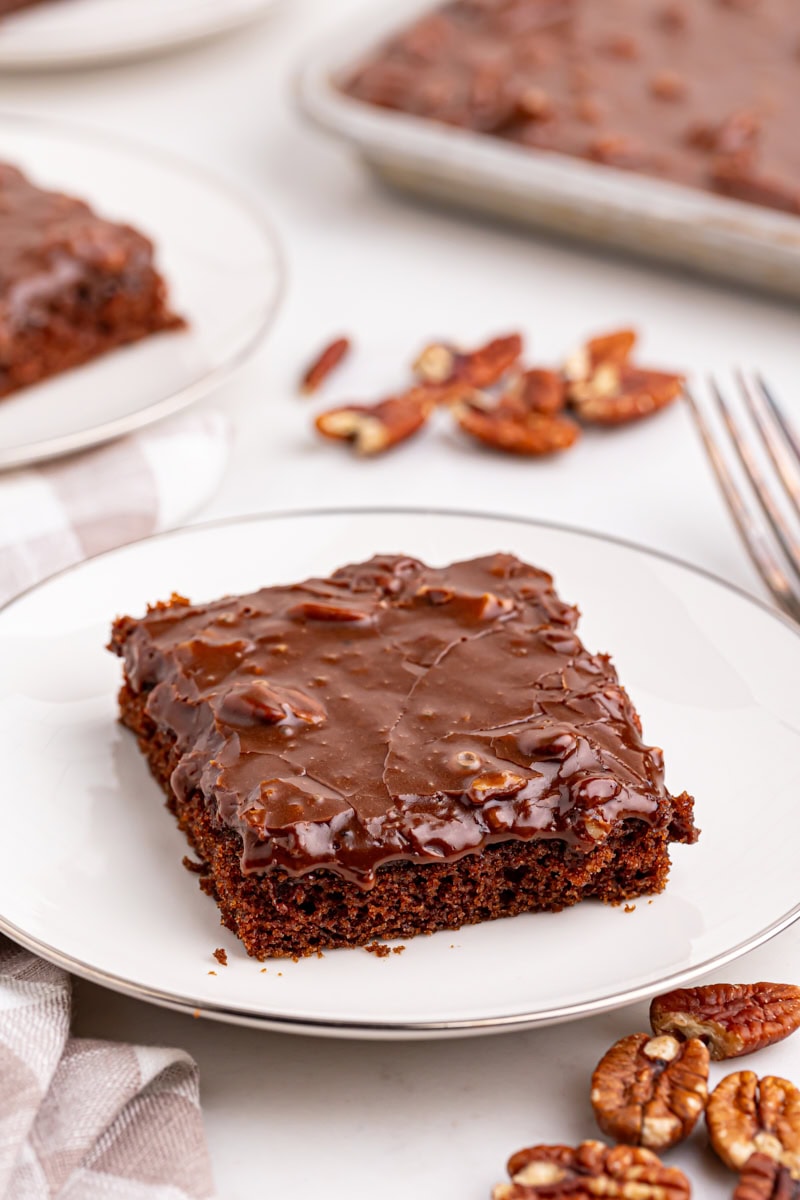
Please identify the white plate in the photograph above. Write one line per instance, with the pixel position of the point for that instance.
(90, 872)
(220, 259)
(645, 216)
(73, 33)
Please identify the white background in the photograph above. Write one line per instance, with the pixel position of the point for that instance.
(302, 1117)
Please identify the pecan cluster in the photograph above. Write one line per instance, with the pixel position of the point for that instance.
(498, 401)
(649, 1091)
(591, 1169)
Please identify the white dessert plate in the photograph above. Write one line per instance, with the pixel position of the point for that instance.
(90, 860)
(217, 252)
(74, 33)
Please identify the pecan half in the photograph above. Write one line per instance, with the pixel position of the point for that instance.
(747, 1115)
(537, 390)
(440, 363)
(514, 431)
(630, 394)
(325, 362)
(591, 1169)
(609, 348)
(731, 1018)
(373, 428)
(650, 1091)
(764, 1179)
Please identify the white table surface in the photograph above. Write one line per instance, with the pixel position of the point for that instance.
(304, 1117)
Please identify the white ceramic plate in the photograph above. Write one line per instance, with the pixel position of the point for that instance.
(220, 259)
(72, 33)
(90, 872)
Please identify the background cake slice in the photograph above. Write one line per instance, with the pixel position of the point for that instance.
(396, 749)
(72, 284)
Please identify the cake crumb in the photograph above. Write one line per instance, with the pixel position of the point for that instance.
(221, 956)
(320, 954)
(263, 970)
(378, 949)
(280, 974)
(212, 972)
(398, 949)
(197, 868)
(295, 958)
(630, 908)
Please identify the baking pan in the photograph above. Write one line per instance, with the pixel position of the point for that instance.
(726, 238)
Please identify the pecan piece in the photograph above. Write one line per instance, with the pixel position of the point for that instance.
(373, 428)
(603, 386)
(440, 364)
(516, 432)
(616, 395)
(538, 391)
(731, 1018)
(764, 1179)
(747, 1115)
(591, 1169)
(325, 362)
(650, 1091)
(607, 349)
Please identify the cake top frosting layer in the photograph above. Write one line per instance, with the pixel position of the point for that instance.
(395, 711)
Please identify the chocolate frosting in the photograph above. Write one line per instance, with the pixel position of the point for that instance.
(395, 711)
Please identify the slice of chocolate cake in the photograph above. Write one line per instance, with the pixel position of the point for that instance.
(396, 749)
(72, 284)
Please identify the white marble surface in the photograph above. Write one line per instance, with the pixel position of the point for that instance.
(296, 1116)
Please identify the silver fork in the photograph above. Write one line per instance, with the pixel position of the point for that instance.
(769, 536)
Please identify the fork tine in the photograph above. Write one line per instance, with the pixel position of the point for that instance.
(780, 528)
(785, 454)
(757, 546)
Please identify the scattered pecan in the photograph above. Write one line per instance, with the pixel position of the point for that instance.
(516, 432)
(591, 1169)
(747, 1115)
(538, 391)
(731, 1018)
(441, 364)
(325, 362)
(373, 428)
(603, 386)
(650, 1091)
(612, 349)
(764, 1179)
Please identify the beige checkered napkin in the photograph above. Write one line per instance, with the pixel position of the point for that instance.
(57, 514)
(88, 1120)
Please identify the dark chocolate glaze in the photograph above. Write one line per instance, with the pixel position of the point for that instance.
(51, 245)
(395, 711)
(704, 92)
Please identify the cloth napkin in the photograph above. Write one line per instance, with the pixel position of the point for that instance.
(83, 1119)
(54, 515)
(89, 1120)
